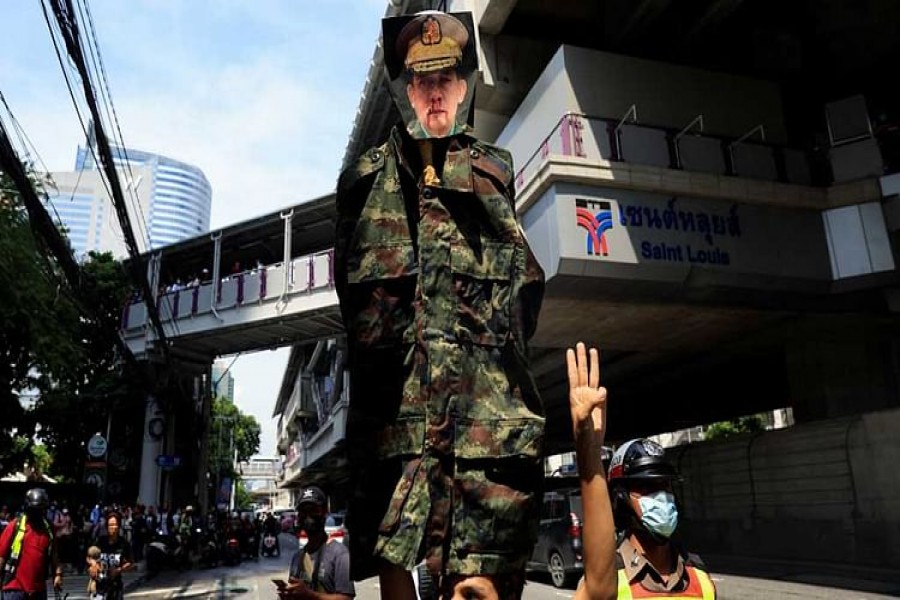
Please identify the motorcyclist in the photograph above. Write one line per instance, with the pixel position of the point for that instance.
(186, 531)
(28, 552)
(251, 537)
(271, 527)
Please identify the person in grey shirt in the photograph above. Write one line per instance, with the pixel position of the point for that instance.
(320, 570)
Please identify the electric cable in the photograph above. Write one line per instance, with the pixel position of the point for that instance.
(112, 117)
(66, 20)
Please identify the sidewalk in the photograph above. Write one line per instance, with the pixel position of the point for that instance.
(75, 585)
(850, 577)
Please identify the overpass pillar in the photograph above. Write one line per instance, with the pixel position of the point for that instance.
(154, 428)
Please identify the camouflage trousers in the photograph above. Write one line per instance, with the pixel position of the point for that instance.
(463, 517)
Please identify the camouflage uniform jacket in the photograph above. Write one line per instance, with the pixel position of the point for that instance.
(439, 293)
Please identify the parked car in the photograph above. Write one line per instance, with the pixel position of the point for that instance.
(558, 550)
(334, 527)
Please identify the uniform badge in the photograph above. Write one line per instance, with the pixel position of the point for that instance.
(431, 32)
(653, 449)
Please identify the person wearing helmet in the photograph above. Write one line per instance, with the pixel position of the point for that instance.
(649, 564)
(28, 552)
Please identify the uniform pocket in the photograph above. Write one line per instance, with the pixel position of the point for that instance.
(499, 438)
(482, 282)
(496, 511)
(382, 285)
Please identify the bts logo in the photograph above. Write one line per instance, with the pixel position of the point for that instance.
(596, 217)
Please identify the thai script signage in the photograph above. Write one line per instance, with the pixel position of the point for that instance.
(625, 226)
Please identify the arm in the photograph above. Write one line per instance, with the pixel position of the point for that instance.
(587, 403)
(299, 591)
(343, 586)
(55, 567)
(6, 541)
(127, 562)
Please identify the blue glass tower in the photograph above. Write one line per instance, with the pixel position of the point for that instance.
(181, 198)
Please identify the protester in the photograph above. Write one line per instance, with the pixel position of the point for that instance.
(63, 529)
(115, 559)
(320, 570)
(28, 552)
(648, 562)
(587, 406)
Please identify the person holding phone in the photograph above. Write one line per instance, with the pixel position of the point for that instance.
(320, 570)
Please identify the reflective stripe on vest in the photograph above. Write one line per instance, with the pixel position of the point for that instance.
(699, 586)
(16, 548)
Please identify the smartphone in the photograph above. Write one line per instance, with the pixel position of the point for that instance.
(279, 583)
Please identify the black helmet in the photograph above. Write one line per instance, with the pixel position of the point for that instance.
(640, 459)
(36, 498)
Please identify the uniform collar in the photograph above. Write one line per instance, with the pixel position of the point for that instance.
(639, 570)
(456, 174)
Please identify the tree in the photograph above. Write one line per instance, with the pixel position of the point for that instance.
(242, 497)
(725, 429)
(97, 383)
(230, 430)
(37, 319)
(42, 459)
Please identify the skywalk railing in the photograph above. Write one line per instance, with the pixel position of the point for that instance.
(624, 140)
(256, 286)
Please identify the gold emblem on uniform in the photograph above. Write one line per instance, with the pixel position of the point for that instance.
(431, 31)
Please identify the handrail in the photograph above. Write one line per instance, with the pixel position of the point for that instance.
(758, 129)
(632, 110)
(322, 283)
(731, 146)
(696, 120)
(544, 142)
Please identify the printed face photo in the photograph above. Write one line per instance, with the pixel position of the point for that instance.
(435, 98)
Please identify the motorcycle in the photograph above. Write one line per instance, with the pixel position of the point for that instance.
(231, 552)
(270, 546)
(160, 553)
(251, 550)
(208, 548)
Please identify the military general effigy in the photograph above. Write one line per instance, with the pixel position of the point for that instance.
(439, 294)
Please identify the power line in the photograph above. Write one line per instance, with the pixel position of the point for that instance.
(52, 239)
(66, 20)
(25, 142)
(65, 73)
(112, 117)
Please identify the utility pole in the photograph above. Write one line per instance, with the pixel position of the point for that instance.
(232, 454)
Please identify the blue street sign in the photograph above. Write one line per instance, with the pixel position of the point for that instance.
(168, 461)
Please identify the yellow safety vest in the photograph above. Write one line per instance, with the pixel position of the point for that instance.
(16, 548)
(700, 586)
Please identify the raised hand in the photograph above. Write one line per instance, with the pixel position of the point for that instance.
(587, 399)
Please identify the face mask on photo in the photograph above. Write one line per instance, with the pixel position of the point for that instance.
(659, 513)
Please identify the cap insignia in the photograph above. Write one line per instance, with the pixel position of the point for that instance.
(431, 32)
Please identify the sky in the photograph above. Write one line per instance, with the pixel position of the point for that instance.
(260, 95)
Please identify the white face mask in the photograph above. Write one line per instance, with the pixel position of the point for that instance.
(658, 513)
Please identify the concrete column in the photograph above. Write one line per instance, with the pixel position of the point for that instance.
(148, 491)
